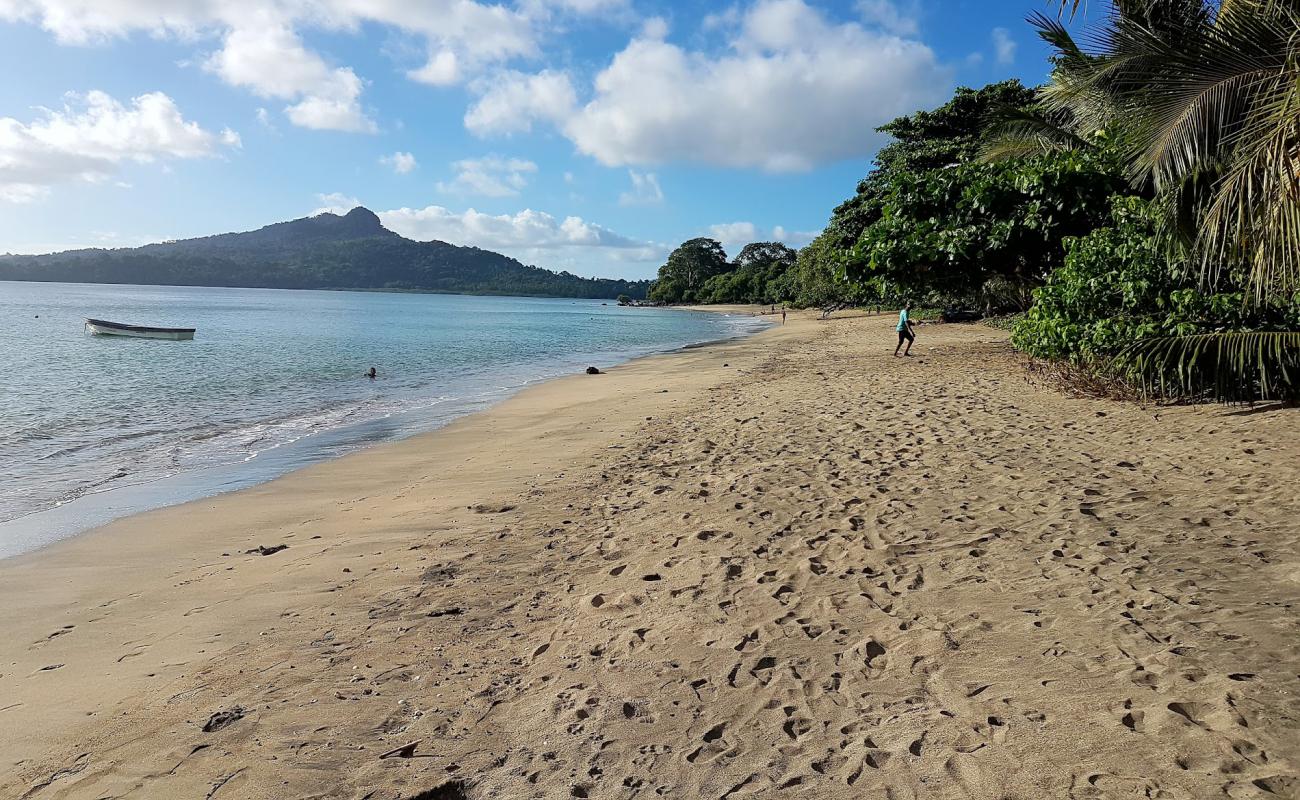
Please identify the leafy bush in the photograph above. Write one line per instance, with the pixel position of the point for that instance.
(1120, 305)
(1118, 286)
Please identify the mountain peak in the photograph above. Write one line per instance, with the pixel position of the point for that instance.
(363, 222)
(361, 213)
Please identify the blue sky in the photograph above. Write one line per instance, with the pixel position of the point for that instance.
(588, 135)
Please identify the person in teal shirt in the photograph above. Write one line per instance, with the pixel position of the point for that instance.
(905, 332)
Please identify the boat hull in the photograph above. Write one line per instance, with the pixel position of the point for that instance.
(104, 328)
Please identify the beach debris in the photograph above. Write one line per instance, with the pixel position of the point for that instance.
(263, 550)
(222, 781)
(592, 371)
(491, 508)
(222, 719)
(405, 751)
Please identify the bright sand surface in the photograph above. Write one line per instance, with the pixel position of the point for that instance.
(789, 566)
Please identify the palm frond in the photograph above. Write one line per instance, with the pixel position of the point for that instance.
(1231, 366)
(1207, 99)
(1015, 132)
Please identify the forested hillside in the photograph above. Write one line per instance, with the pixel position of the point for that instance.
(326, 251)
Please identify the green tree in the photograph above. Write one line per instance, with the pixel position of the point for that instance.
(817, 278)
(687, 268)
(757, 275)
(935, 221)
(922, 142)
(1201, 101)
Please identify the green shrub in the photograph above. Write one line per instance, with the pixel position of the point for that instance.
(1119, 287)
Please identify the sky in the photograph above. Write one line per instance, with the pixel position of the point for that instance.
(586, 135)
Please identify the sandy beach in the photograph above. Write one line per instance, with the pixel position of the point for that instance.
(785, 566)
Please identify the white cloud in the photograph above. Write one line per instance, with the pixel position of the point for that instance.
(726, 18)
(654, 28)
(645, 190)
(1004, 46)
(533, 237)
(895, 16)
(734, 233)
(262, 48)
(91, 137)
(270, 60)
(793, 238)
(512, 101)
(400, 162)
(335, 203)
(442, 69)
(490, 176)
(537, 7)
(231, 139)
(794, 90)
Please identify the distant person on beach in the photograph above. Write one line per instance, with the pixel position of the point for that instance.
(371, 374)
(905, 332)
(782, 315)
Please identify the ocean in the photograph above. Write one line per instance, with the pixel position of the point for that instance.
(95, 427)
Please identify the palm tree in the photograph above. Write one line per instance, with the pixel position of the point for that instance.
(1202, 99)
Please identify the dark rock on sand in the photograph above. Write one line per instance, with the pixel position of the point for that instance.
(222, 719)
(263, 550)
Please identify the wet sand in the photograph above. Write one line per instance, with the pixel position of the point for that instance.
(789, 566)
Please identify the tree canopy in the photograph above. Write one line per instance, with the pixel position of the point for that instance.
(691, 264)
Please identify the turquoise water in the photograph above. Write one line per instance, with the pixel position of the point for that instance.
(94, 427)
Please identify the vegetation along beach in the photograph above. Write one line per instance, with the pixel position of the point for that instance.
(960, 464)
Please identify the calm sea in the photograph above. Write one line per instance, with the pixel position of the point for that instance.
(96, 427)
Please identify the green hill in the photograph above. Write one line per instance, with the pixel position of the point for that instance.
(327, 251)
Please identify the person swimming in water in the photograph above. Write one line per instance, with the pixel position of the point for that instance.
(371, 374)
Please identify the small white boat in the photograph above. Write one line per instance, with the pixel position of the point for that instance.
(103, 327)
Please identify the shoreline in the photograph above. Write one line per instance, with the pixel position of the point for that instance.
(786, 563)
(37, 530)
(42, 589)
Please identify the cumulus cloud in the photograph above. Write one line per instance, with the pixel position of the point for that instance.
(645, 190)
(261, 46)
(734, 233)
(895, 16)
(400, 162)
(513, 101)
(490, 176)
(533, 237)
(795, 239)
(793, 90)
(1004, 47)
(270, 60)
(335, 203)
(92, 136)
